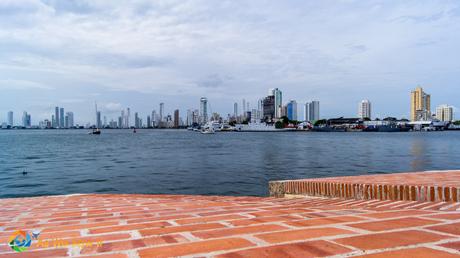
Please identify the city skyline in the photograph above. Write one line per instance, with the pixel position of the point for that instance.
(137, 55)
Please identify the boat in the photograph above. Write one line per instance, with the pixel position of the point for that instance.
(95, 131)
(260, 127)
(208, 130)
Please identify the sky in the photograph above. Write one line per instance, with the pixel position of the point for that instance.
(137, 54)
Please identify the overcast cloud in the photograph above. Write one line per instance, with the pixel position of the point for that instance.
(141, 53)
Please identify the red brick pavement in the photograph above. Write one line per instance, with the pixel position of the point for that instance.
(168, 226)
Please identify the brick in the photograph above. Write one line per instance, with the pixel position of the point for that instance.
(323, 221)
(108, 256)
(453, 228)
(390, 240)
(129, 227)
(37, 254)
(394, 214)
(134, 244)
(195, 248)
(187, 228)
(301, 234)
(209, 219)
(304, 249)
(421, 252)
(393, 224)
(260, 220)
(237, 231)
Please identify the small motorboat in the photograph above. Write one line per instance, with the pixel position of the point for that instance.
(95, 131)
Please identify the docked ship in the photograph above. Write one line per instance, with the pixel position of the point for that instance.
(260, 127)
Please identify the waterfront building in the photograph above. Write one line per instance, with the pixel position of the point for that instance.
(278, 97)
(162, 110)
(149, 122)
(312, 111)
(291, 110)
(203, 110)
(98, 119)
(445, 113)
(420, 109)
(10, 119)
(364, 109)
(136, 120)
(56, 117)
(61, 118)
(69, 120)
(269, 108)
(244, 106)
(235, 109)
(155, 118)
(120, 121)
(26, 120)
(176, 118)
(128, 117)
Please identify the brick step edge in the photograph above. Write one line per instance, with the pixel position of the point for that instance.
(401, 192)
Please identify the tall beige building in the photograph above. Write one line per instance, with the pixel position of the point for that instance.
(445, 113)
(420, 105)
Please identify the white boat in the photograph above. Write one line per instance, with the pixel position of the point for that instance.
(208, 130)
(260, 127)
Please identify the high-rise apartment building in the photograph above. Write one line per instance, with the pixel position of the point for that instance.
(235, 109)
(312, 111)
(162, 107)
(26, 120)
(291, 110)
(98, 119)
(56, 117)
(364, 109)
(136, 120)
(420, 108)
(176, 118)
(69, 120)
(203, 110)
(61, 118)
(269, 108)
(10, 118)
(445, 113)
(278, 101)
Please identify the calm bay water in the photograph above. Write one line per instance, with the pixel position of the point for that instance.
(183, 162)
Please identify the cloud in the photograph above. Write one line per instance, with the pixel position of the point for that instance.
(228, 50)
(9, 84)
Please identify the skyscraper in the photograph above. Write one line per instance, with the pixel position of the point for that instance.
(176, 118)
(56, 117)
(291, 110)
(268, 108)
(128, 117)
(312, 111)
(244, 106)
(98, 119)
(235, 109)
(278, 101)
(26, 120)
(68, 120)
(445, 113)
(136, 120)
(203, 110)
(162, 106)
(420, 105)
(364, 109)
(61, 118)
(10, 118)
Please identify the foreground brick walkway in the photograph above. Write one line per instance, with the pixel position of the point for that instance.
(165, 225)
